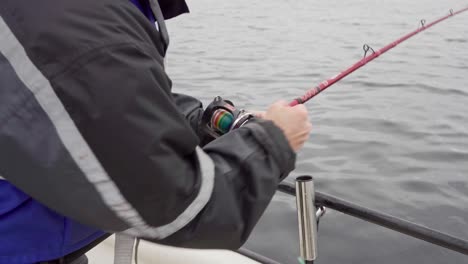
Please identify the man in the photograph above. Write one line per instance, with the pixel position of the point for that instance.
(91, 137)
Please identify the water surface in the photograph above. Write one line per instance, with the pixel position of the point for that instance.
(393, 136)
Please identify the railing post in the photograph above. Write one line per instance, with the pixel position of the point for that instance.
(306, 214)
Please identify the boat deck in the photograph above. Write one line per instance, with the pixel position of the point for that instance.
(150, 253)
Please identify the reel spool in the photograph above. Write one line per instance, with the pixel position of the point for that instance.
(219, 118)
(222, 121)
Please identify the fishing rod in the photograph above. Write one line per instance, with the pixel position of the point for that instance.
(221, 116)
(368, 58)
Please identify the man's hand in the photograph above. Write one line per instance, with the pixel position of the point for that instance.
(259, 114)
(293, 121)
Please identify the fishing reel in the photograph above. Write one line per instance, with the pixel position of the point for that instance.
(221, 117)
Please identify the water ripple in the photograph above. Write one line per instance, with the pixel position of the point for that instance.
(392, 136)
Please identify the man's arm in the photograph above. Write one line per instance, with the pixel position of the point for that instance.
(90, 114)
(185, 195)
(191, 108)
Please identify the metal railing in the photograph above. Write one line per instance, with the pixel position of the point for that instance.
(307, 200)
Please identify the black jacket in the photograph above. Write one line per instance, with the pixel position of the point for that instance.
(89, 127)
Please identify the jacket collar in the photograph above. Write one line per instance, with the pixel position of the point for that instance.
(169, 8)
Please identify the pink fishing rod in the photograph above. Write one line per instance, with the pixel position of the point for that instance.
(368, 58)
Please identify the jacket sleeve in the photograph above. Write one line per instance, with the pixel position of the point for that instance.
(191, 108)
(183, 195)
